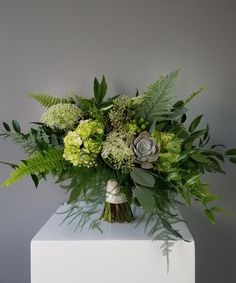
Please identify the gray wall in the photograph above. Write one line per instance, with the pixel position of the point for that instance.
(54, 46)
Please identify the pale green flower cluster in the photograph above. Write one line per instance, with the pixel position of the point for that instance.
(170, 150)
(116, 152)
(62, 116)
(84, 143)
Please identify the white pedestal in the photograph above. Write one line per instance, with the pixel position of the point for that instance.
(122, 254)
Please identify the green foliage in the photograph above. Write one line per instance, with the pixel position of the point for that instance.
(47, 100)
(231, 154)
(41, 162)
(100, 90)
(142, 177)
(195, 123)
(35, 140)
(145, 198)
(157, 100)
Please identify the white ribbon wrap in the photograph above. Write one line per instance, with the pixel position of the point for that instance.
(113, 194)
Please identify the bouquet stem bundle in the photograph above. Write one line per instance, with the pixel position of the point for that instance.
(116, 208)
(114, 212)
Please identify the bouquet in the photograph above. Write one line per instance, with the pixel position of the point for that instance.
(119, 151)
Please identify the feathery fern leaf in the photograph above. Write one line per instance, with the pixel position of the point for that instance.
(40, 162)
(157, 99)
(47, 100)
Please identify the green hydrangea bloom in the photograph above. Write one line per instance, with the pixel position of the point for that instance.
(84, 143)
(62, 116)
(117, 153)
(170, 150)
(90, 129)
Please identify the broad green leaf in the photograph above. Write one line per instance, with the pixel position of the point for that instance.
(177, 112)
(145, 197)
(183, 118)
(194, 136)
(233, 159)
(209, 199)
(141, 177)
(186, 196)
(214, 153)
(209, 213)
(179, 104)
(12, 165)
(188, 146)
(95, 88)
(214, 164)
(222, 210)
(206, 133)
(102, 89)
(192, 180)
(6, 126)
(198, 133)
(231, 151)
(16, 126)
(35, 180)
(200, 158)
(195, 123)
(217, 145)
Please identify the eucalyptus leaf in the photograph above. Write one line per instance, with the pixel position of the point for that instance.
(145, 197)
(141, 177)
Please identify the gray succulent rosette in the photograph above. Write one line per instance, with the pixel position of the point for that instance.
(145, 149)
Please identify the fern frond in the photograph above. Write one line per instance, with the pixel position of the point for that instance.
(157, 100)
(47, 100)
(41, 162)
